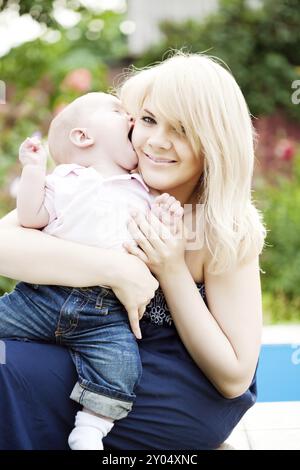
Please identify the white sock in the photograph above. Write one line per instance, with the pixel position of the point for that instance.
(88, 432)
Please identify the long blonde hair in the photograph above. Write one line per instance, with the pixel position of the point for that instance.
(195, 91)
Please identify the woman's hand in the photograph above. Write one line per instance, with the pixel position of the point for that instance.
(159, 246)
(135, 287)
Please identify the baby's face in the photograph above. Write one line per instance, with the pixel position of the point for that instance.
(110, 126)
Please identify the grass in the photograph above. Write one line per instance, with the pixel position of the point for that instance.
(278, 309)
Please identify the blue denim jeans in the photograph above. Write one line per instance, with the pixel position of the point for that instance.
(94, 325)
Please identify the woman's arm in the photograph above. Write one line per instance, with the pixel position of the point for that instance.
(36, 257)
(224, 339)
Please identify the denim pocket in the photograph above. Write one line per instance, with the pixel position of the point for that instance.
(100, 316)
(69, 313)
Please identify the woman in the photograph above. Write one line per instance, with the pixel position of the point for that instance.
(194, 140)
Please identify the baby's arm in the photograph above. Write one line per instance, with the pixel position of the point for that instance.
(31, 193)
(169, 211)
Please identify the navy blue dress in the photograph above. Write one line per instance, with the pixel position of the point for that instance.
(176, 405)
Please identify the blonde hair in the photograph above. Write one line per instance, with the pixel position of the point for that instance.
(198, 93)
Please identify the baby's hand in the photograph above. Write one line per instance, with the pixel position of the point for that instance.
(169, 211)
(31, 152)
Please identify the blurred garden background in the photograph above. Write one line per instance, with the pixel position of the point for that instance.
(52, 52)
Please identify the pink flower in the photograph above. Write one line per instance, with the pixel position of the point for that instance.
(285, 150)
(78, 80)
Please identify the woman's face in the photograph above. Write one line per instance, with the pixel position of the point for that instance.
(167, 161)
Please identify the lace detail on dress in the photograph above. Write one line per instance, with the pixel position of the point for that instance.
(157, 310)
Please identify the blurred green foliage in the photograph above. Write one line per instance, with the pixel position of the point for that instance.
(280, 203)
(40, 10)
(260, 45)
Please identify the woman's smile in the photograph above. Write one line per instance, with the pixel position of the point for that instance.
(159, 160)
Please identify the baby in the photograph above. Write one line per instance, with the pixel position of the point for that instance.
(86, 199)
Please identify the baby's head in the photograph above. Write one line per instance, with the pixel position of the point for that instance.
(94, 126)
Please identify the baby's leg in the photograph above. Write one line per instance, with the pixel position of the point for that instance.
(106, 356)
(22, 317)
(169, 211)
(90, 428)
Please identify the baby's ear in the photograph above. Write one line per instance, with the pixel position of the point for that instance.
(79, 136)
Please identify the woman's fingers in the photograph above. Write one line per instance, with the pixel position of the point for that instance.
(140, 236)
(142, 310)
(152, 228)
(133, 317)
(133, 249)
(148, 238)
